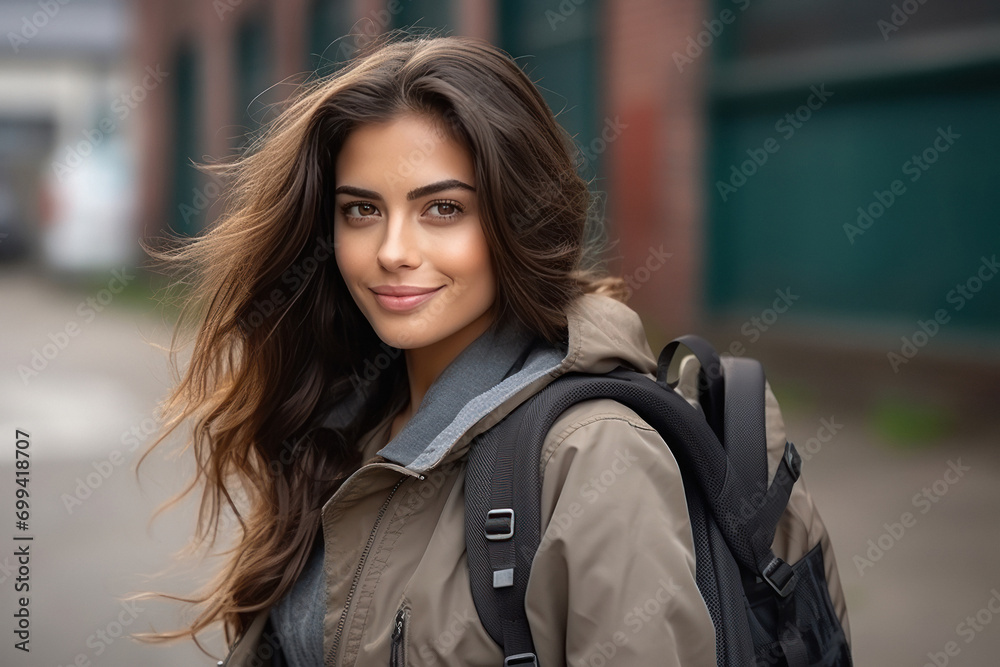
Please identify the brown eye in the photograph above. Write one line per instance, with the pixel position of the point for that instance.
(446, 209)
(365, 209)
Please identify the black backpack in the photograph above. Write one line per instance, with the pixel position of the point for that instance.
(765, 611)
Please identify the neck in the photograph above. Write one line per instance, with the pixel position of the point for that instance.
(424, 365)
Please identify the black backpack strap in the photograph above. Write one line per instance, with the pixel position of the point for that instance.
(705, 465)
(746, 444)
(502, 532)
(711, 387)
(499, 593)
(731, 392)
(745, 438)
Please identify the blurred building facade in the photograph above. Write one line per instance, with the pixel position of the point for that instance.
(851, 155)
(636, 118)
(826, 163)
(67, 121)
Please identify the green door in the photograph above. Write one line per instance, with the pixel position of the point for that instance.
(850, 166)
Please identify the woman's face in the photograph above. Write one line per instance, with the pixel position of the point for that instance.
(406, 217)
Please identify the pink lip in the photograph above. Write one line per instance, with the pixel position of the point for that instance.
(404, 303)
(401, 290)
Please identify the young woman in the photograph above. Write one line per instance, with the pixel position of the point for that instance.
(404, 260)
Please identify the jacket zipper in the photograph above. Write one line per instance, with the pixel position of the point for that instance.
(357, 575)
(232, 647)
(397, 658)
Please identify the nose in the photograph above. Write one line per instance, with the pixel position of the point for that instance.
(399, 248)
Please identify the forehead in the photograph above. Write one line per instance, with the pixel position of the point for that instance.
(401, 153)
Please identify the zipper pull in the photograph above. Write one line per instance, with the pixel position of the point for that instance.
(232, 647)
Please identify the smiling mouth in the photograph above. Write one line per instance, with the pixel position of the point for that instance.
(404, 303)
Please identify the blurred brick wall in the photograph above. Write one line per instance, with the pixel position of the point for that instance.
(654, 165)
(655, 168)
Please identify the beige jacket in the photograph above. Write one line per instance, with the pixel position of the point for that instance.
(614, 579)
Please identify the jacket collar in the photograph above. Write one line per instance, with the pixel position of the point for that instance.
(484, 376)
(499, 370)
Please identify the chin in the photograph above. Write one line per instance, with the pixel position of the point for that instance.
(414, 330)
(407, 338)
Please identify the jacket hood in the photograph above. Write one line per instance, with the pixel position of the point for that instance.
(499, 370)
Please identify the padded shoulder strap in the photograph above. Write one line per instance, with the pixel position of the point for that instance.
(731, 392)
(503, 527)
(502, 530)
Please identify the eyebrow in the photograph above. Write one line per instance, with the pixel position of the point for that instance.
(416, 193)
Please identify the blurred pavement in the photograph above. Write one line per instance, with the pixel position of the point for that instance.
(90, 518)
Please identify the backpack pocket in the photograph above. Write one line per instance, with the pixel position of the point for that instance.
(803, 628)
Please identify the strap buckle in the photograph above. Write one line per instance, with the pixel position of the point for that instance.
(784, 582)
(793, 460)
(529, 659)
(499, 524)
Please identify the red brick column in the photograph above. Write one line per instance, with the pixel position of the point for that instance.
(655, 165)
(291, 42)
(153, 44)
(218, 72)
(477, 18)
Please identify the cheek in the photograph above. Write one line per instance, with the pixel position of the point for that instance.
(470, 258)
(484, 266)
(350, 253)
(484, 261)
(477, 274)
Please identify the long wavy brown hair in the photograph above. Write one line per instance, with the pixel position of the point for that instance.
(277, 338)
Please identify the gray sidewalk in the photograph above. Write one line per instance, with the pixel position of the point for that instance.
(89, 412)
